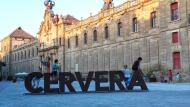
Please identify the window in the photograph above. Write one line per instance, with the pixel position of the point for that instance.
(85, 38)
(106, 32)
(119, 28)
(15, 56)
(153, 19)
(21, 55)
(95, 35)
(33, 52)
(28, 53)
(76, 41)
(12, 57)
(176, 60)
(135, 25)
(174, 11)
(68, 42)
(37, 51)
(60, 41)
(175, 37)
(18, 56)
(25, 54)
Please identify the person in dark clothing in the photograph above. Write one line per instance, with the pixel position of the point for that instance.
(136, 65)
(137, 77)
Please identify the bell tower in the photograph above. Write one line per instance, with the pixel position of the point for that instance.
(107, 4)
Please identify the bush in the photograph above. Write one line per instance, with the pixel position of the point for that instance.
(151, 75)
(10, 78)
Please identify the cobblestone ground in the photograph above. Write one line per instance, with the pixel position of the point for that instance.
(160, 95)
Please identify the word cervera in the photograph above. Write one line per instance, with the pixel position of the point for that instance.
(66, 79)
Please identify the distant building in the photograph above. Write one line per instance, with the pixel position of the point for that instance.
(17, 38)
(25, 58)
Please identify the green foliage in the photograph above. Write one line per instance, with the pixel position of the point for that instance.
(152, 71)
(150, 74)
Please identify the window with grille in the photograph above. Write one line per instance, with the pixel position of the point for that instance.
(18, 56)
(85, 38)
(106, 32)
(176, 60)
(60, 41)
(175, 37)
(29, 53)
(174, 11)
(76, 41)
(25, 54)
(33, 52)
(135, 25)
(37, 51)
(153, 19)
(119, 28)
(21, 55)
(95, 35)
(15, 56)
(68, 42)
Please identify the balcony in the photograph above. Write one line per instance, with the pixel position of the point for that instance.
(48, 47)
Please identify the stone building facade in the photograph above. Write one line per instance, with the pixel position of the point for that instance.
(51, 36)
(25, 58)
(156, 30)
(17, 38)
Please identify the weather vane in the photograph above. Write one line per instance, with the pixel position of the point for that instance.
(49, 4)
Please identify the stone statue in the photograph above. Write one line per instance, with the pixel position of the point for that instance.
(107, 4)
(49, 4)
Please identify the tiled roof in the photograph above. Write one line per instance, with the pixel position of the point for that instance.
(68, 19)
(19, 33)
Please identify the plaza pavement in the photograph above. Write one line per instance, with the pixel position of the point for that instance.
(159, 95)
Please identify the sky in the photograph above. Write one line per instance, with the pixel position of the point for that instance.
(28, 14)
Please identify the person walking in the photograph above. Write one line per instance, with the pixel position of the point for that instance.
(137, 78)
(127, 74)
(136, 65)
(55, 68)
(170, 75)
